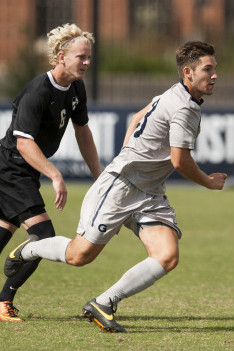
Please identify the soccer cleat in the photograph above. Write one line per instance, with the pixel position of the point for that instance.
(14, 261)
(8, 312)
(102, 316)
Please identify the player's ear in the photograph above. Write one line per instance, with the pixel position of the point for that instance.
(61, 57)
(187, 72)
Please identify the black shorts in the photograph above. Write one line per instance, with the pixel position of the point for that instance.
(19, 187)
(29, 213)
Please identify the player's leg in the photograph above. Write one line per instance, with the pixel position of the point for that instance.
(81, 251)
(20, 201)
(93, 234)
(77, 252)
(41, 226)
(7, 310)
(161, 243)
(6, 231)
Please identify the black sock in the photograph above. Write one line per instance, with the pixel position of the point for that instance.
(5, 236)
(43, 230)
(12, 284)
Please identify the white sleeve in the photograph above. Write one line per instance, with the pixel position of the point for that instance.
(184, 128)
(17, 132)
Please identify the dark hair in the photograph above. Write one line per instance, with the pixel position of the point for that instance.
(190, 52)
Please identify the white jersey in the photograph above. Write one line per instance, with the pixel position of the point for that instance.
(173, 120)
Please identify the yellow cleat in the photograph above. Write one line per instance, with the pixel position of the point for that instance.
(14, 261)
(103, 316)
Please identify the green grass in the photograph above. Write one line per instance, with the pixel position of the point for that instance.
(189, 309)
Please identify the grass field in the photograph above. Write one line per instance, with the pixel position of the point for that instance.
(189, 309)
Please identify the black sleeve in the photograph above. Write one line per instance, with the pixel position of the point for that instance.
(29, 114)
(80, 114)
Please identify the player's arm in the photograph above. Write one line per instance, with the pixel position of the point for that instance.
(134, 122)
(33, 155)
(88, 149)
(184, 163)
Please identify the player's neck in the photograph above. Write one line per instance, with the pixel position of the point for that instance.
(59, 77)
(193, 91)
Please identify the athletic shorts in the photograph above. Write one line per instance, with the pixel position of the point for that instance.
(112, 201)
(19, 188)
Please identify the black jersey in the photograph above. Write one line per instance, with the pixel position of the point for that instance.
(42, 111)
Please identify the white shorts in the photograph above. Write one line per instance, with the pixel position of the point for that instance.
(112, 201)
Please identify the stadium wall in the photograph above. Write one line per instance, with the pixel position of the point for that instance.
(214, 150)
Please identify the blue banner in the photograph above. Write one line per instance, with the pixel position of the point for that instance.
(214, 150)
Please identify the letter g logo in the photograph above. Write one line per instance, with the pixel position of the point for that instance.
(102, 228)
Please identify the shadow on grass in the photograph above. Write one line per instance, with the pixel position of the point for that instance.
(157, 327)
(176, 328)
(176, 319)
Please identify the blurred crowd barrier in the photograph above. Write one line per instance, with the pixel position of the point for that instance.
(213, 152)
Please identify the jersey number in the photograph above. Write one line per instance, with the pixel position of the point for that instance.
(63, 117)
(143, 125)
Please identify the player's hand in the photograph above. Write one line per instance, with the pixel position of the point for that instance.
(217, 180)
(61, 192)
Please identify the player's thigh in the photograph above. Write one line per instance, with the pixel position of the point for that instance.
(33, 216)
(9, 226)
(104, 208)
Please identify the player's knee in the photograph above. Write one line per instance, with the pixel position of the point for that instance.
(78, 257)
(172, 263)
(79, 260)
(43, 229)
(169, 260)
(81, 252)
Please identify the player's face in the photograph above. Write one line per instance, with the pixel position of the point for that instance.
(77, 60)
(202, 79)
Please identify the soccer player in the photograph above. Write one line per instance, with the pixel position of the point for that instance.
(131, 190)
(41, 113)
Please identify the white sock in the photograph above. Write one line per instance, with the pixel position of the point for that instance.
(136, 279)
(53, 249)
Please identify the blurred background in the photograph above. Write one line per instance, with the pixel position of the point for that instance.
(133, 60)
(134, 54)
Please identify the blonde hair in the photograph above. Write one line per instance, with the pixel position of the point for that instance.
(59, 39)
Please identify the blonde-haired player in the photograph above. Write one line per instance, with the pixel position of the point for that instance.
(41, 113)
